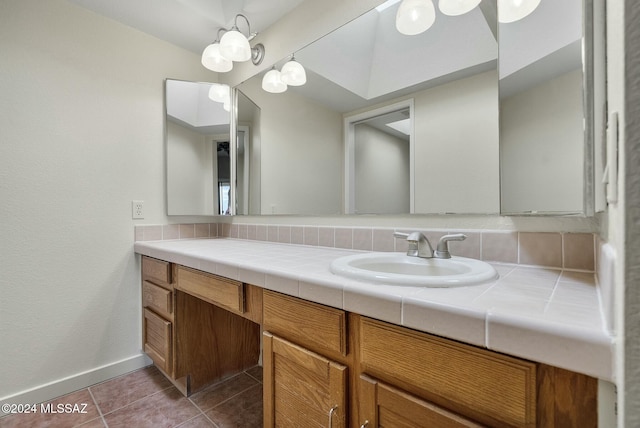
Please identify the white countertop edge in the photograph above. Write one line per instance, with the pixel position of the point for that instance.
(588, 350)
(573, 347)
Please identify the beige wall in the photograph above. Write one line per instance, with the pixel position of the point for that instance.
(81, 125)
(300, 159)
(381, 172)
(542, 147)
(190, 171)
(456, 147)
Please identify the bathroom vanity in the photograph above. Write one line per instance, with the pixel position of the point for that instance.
(206, 303)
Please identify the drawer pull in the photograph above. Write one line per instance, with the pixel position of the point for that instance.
(331, 412)
(365, 424)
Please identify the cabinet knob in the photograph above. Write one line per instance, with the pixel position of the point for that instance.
(365, 424)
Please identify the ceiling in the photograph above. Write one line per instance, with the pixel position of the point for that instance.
(190, 24)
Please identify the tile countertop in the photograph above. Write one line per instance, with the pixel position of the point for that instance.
(541, 314)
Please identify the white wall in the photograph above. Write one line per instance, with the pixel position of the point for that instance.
(381, 172)
(456, 147)
(300, 159)
(190, 171)
(81, 131)
(542, 147)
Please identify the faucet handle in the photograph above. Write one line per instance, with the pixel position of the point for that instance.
(442, 250)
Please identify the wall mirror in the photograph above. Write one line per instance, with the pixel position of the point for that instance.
(248, 156)
(293, 151)
(198, 151)
(448, 74)
(547, 121)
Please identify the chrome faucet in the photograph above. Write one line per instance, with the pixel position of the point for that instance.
(419, 245)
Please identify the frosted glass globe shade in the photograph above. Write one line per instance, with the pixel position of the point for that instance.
(415, 16)
(293, 73)
(457, 7)
(214, 61)
(515, 10)
(271, 82)
(235, 47)
(219, 92)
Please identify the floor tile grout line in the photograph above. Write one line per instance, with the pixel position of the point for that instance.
(140, 399)
(254, 378)
(231, 397)
(97, 407)
(201, 413)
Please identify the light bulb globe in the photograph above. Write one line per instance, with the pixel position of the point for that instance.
(214, 61)
(293, 73)
(415, 16)
(271, 82)
(235, 47)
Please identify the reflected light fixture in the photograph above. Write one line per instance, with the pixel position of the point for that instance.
(293, 73)
(415, 16)
(272, 82)
(235, 46)
(220, 92)
(515, 10)
(213, 59)
(457, 7)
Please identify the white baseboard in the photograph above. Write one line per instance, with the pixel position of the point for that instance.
(76, 382)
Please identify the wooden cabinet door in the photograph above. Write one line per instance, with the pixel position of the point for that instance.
(157, 340)
(301, 388)
(381, 405)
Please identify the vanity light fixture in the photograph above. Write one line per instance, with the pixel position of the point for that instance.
(272, 82)
(415, 16)
(457, 7)
(213, 59)
(235, 46)
(293, 73)
(232, 46)
(515, 10)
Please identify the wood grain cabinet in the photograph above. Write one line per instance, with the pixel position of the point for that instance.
(382, 405)
(157, 325)
(198, 327)
(398, 377)
(305, 363)
(302, 388)
(325, 367)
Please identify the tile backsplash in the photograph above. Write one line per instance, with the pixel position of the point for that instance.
(572, 251)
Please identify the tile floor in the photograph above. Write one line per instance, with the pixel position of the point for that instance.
(145, 398)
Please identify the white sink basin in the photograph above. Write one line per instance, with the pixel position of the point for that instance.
(400, 269)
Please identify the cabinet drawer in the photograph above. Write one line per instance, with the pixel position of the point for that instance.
(157, 340)
(157, 298)
(211, 288)
(156, 270)
(315, 326)
(385, 406)
(488, 387)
